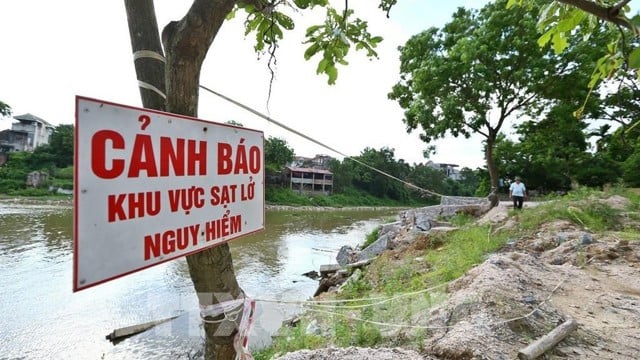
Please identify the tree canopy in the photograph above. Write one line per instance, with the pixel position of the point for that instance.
(481, 69)
(5, 110)
(561, 20)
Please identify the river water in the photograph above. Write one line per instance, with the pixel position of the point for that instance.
(42, 319)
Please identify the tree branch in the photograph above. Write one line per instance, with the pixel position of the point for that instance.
(617, 7)
(611, 13)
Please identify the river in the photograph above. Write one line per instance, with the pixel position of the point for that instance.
(43, 319)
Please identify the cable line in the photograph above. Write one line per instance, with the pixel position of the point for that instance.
(277, 123)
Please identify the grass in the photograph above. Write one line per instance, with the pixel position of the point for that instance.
(371, 237)
(578, 208)
(463, 249)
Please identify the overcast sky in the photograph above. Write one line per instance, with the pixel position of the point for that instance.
(54, 50)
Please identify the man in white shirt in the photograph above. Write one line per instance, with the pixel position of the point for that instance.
(517, 192)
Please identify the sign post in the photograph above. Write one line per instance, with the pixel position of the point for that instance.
(151, 187)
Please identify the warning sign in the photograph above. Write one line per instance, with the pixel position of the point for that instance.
(151, 187)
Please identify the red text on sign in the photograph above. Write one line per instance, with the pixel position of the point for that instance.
(225, 226)
(170, 241)
(242, 161)
(133, 205)
(177, 157)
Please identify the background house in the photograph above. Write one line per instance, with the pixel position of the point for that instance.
(309, 180)
(306, 175)
(25, 135)
(449, 169)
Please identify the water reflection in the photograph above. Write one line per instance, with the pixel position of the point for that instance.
(44, 319)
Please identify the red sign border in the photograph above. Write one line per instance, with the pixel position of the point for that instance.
(76, 149)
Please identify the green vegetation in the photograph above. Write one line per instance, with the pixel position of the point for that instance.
(351, 197)
(427, 265)
(55, 160)
(371, 237)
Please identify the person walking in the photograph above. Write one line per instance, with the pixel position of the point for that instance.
(517, 192)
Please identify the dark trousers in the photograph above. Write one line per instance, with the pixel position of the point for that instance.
(517, 202)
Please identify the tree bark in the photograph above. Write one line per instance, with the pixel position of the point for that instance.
(186, 43)
(493, 169)
(144, 35)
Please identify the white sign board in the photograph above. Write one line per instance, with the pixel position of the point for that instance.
(151, 187)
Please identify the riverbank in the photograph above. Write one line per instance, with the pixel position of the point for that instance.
(68, 201)
(44, 200)
(487, 287)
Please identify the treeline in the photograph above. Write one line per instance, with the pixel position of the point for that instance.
(357, 184)
(551, 155)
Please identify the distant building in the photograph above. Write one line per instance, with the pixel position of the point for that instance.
(449, 169)
(12, 140)
(317, 162)
(309, 180)
(25, 135)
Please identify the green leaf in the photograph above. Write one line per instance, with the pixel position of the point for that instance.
(559, 42)
(311, 50)
(302, 4)
(544, 39)
(322, 65)
(285, 21)
(511, 3)
(634, 59)
(312, 29)
(332, 72)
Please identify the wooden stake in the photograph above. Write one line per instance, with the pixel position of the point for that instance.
(548, 341)
(119, 334)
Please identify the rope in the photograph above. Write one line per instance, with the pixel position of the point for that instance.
(149, 54)
(277, 123)
(443, 327)
(379, 300)
(315, 305)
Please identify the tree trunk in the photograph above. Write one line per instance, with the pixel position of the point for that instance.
(186, 43)
(493, 170)
(145, 40)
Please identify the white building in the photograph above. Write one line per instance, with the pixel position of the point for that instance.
(27, 134)
(449, 169)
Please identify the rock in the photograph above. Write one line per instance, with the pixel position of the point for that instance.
(373, 250)
(312, 274)
(529, 300)
(562, 237)
(330, 282)
(558, 260)
(422, 221)
(391, 228)
(353, 353)
(326, 270)
(587, 239)
(346, 255)
(313, 328)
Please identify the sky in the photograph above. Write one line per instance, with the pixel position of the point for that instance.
(53, 51)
